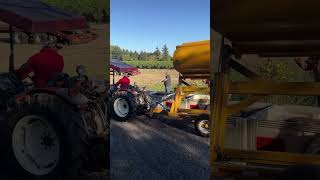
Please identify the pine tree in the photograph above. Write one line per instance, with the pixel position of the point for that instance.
(157, 53)
(165, 53)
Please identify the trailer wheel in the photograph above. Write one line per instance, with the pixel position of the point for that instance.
(202, 127)
(123, 106)
(20, 38)
(39, 38)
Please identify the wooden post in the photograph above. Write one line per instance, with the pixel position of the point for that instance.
(11, 58)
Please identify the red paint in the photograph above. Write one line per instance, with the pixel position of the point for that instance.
(50, 22)
(168, 104)
(120, 66)
(196, 106)
(270, 144)
(44, 65)
(21, 97)
(123, 82)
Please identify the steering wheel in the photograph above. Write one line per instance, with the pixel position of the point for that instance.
(30, 77)
(27, 83)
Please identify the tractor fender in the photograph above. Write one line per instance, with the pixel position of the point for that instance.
(124, 90)
(61, 93)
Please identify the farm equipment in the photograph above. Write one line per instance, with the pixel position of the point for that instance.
(50, 132)
(191, 61)
(78, 36)
(126, 103)
(279, 137)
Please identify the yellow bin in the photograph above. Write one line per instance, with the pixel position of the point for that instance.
(192, 58)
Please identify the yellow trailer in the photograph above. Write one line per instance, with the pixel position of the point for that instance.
(192, 61)
(269, 28)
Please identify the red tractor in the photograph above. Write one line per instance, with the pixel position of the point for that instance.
(56, 131)
(53, 129)
(126, 103)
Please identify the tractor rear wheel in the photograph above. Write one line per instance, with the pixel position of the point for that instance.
(46, 139)
(122, 106)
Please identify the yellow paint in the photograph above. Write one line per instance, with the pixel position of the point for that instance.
(157, 110)
(192, 58)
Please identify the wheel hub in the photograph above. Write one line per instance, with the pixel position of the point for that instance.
(204, 126)
(47, 141)
(36, 145)
(121, 107)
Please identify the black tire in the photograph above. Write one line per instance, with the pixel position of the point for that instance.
(68, 124)
(202, 131)
(99, 156)
(132, 105)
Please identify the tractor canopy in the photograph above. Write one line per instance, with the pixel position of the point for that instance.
(122, 67)
(37, 16)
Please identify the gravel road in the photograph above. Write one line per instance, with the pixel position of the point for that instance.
(155, 149)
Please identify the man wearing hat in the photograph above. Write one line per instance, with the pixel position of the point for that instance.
(167, 82)
(45, 65)
(124, 82)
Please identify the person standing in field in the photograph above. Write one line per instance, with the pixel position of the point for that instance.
(167, 83)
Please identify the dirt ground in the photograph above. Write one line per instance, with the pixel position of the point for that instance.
(93, 55)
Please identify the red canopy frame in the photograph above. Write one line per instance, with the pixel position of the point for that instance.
(120, 66)
(36, 16)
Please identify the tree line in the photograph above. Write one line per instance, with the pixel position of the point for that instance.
(128, 55)
(94, 10)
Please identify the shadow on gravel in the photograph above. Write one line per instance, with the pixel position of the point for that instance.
(149, 150)
(186, 125)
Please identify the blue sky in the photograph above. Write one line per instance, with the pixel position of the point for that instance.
(142, 25)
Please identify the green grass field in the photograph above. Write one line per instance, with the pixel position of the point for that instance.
(151, 64)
